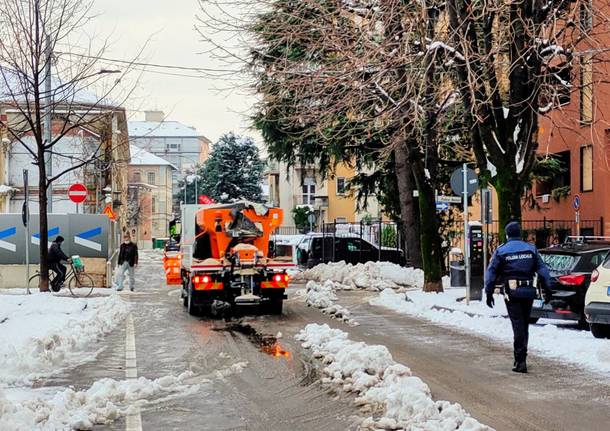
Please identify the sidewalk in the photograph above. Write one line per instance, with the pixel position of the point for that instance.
(475, 371)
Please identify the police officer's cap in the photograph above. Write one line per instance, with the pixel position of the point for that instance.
(513, 230)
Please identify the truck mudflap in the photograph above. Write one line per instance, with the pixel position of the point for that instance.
(172, 264)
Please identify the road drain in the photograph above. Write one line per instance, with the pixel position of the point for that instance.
(268, 344)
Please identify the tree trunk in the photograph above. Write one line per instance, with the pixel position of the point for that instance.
(431, 249)
(44, 225)
(509, 189)
(408, 210)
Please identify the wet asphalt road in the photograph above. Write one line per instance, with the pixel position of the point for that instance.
(282, 392)
(277, 390)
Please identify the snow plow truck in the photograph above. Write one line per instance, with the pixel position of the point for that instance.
(226, 259)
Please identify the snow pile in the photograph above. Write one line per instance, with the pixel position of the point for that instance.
(104, 402)
(236, 368)
(323, 296)
(550, 340)
(41, 333)
(4, 189)
(387, 390)
(374, 276)
(454, 299)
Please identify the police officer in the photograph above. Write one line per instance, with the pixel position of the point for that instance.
(513, 266)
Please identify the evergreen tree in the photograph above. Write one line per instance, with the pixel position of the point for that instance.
(233, 171)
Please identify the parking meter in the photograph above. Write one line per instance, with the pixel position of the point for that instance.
(477, 263)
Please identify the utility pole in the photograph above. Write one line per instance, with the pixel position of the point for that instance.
(26, 223)
(48, 123)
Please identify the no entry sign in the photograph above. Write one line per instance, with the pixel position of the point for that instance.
(77, 193)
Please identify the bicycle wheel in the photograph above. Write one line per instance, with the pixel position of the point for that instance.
(34, 281)
(81, 285)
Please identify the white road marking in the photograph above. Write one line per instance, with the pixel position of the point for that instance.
(134, 418)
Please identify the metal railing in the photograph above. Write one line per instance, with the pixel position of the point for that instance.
(543, 233)
(384, 236)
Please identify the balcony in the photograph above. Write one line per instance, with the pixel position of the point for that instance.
(321, 202)
(272, 168)
(316, 202)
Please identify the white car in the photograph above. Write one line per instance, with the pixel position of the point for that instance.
(597, 301)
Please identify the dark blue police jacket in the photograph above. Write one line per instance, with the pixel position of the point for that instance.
(516, 260)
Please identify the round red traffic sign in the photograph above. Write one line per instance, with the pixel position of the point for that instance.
(77, 193)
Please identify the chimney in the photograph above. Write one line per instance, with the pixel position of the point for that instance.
(155, 116)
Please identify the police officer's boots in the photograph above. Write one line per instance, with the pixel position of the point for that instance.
(520, 367)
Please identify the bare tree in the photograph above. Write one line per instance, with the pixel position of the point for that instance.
(516, 64)
(46, 83)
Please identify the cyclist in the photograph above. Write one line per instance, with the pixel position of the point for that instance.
(56, 256)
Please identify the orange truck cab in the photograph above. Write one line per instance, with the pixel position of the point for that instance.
(229, 263)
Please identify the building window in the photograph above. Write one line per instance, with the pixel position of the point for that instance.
(137, 177)
(559, 185)
(586, 168)
(151, 178)
(586, 89)
(154, 206)
(340, 186)
(309, 191)
(173, 147)
(585, 21)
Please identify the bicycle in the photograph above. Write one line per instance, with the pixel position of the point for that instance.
(79, 283)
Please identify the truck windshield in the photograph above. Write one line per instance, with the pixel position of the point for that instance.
(559, 262)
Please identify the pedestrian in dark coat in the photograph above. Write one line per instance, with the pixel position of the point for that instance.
(513, 266)
(128, 260)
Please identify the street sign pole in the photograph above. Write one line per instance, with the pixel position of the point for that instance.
(576, 206)
(484, 222)
(26, 222)
(466, 237)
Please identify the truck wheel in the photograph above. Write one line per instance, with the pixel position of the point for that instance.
(600, 331)
(190, 305)
(275, 306)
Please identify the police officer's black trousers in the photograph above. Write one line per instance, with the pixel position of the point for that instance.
(519, 311)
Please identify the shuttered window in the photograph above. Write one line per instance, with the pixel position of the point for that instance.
(586, 168)
(586, 89)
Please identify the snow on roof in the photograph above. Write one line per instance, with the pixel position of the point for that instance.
(16, 88)
(143, 157)
(164, 129)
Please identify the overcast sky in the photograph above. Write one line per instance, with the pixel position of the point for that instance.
(170, 27)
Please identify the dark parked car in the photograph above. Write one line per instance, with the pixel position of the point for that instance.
(571, 265)
(316, 248)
